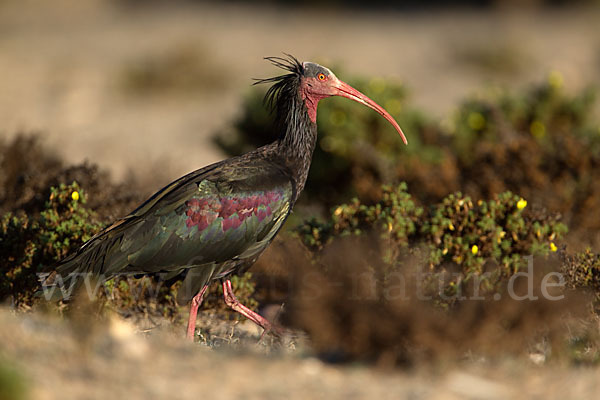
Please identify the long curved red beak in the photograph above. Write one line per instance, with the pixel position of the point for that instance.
(345, 90)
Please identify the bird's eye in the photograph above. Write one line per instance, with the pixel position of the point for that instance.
(321, 77)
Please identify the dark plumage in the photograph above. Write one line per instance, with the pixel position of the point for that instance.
(216, 221)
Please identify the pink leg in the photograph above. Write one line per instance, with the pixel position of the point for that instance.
(235, 304)
(196, 301)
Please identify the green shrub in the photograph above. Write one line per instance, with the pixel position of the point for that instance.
(28, 170)
(456, 234)
(542, 143)
(28, 244)
(583, 270)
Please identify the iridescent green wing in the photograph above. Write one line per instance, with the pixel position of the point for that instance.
(226, 215)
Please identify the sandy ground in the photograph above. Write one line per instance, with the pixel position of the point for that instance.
(60, 360)
(62, 65)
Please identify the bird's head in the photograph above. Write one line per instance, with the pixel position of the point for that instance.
(313, 82)
(317, 81)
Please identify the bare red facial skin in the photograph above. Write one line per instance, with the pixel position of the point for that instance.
(311, 91)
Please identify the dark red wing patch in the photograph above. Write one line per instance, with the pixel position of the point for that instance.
(232, 210)
(202, 212)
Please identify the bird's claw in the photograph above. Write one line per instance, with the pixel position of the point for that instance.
(275, 331)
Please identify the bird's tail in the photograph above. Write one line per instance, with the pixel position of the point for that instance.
(61, 283)
(78, 271)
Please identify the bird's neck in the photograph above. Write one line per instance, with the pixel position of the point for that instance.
(297, 140)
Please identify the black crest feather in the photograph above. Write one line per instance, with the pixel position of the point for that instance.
(284, 86)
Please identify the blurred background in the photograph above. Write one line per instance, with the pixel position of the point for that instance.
(132, 85)
(497, 100)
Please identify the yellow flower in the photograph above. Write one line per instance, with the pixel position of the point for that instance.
(450, 226)
(537, 129)
(555, 79)
(393, 106)
(377, 85)
(521, 204)
(337, 211)
(75, 195)
(474, 249)
(553, 247)
(476, 121)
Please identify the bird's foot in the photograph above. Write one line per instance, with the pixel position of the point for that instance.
(253, 316)
(273, 330)
(195, 304)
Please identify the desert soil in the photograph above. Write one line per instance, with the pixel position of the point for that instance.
(118, 359)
